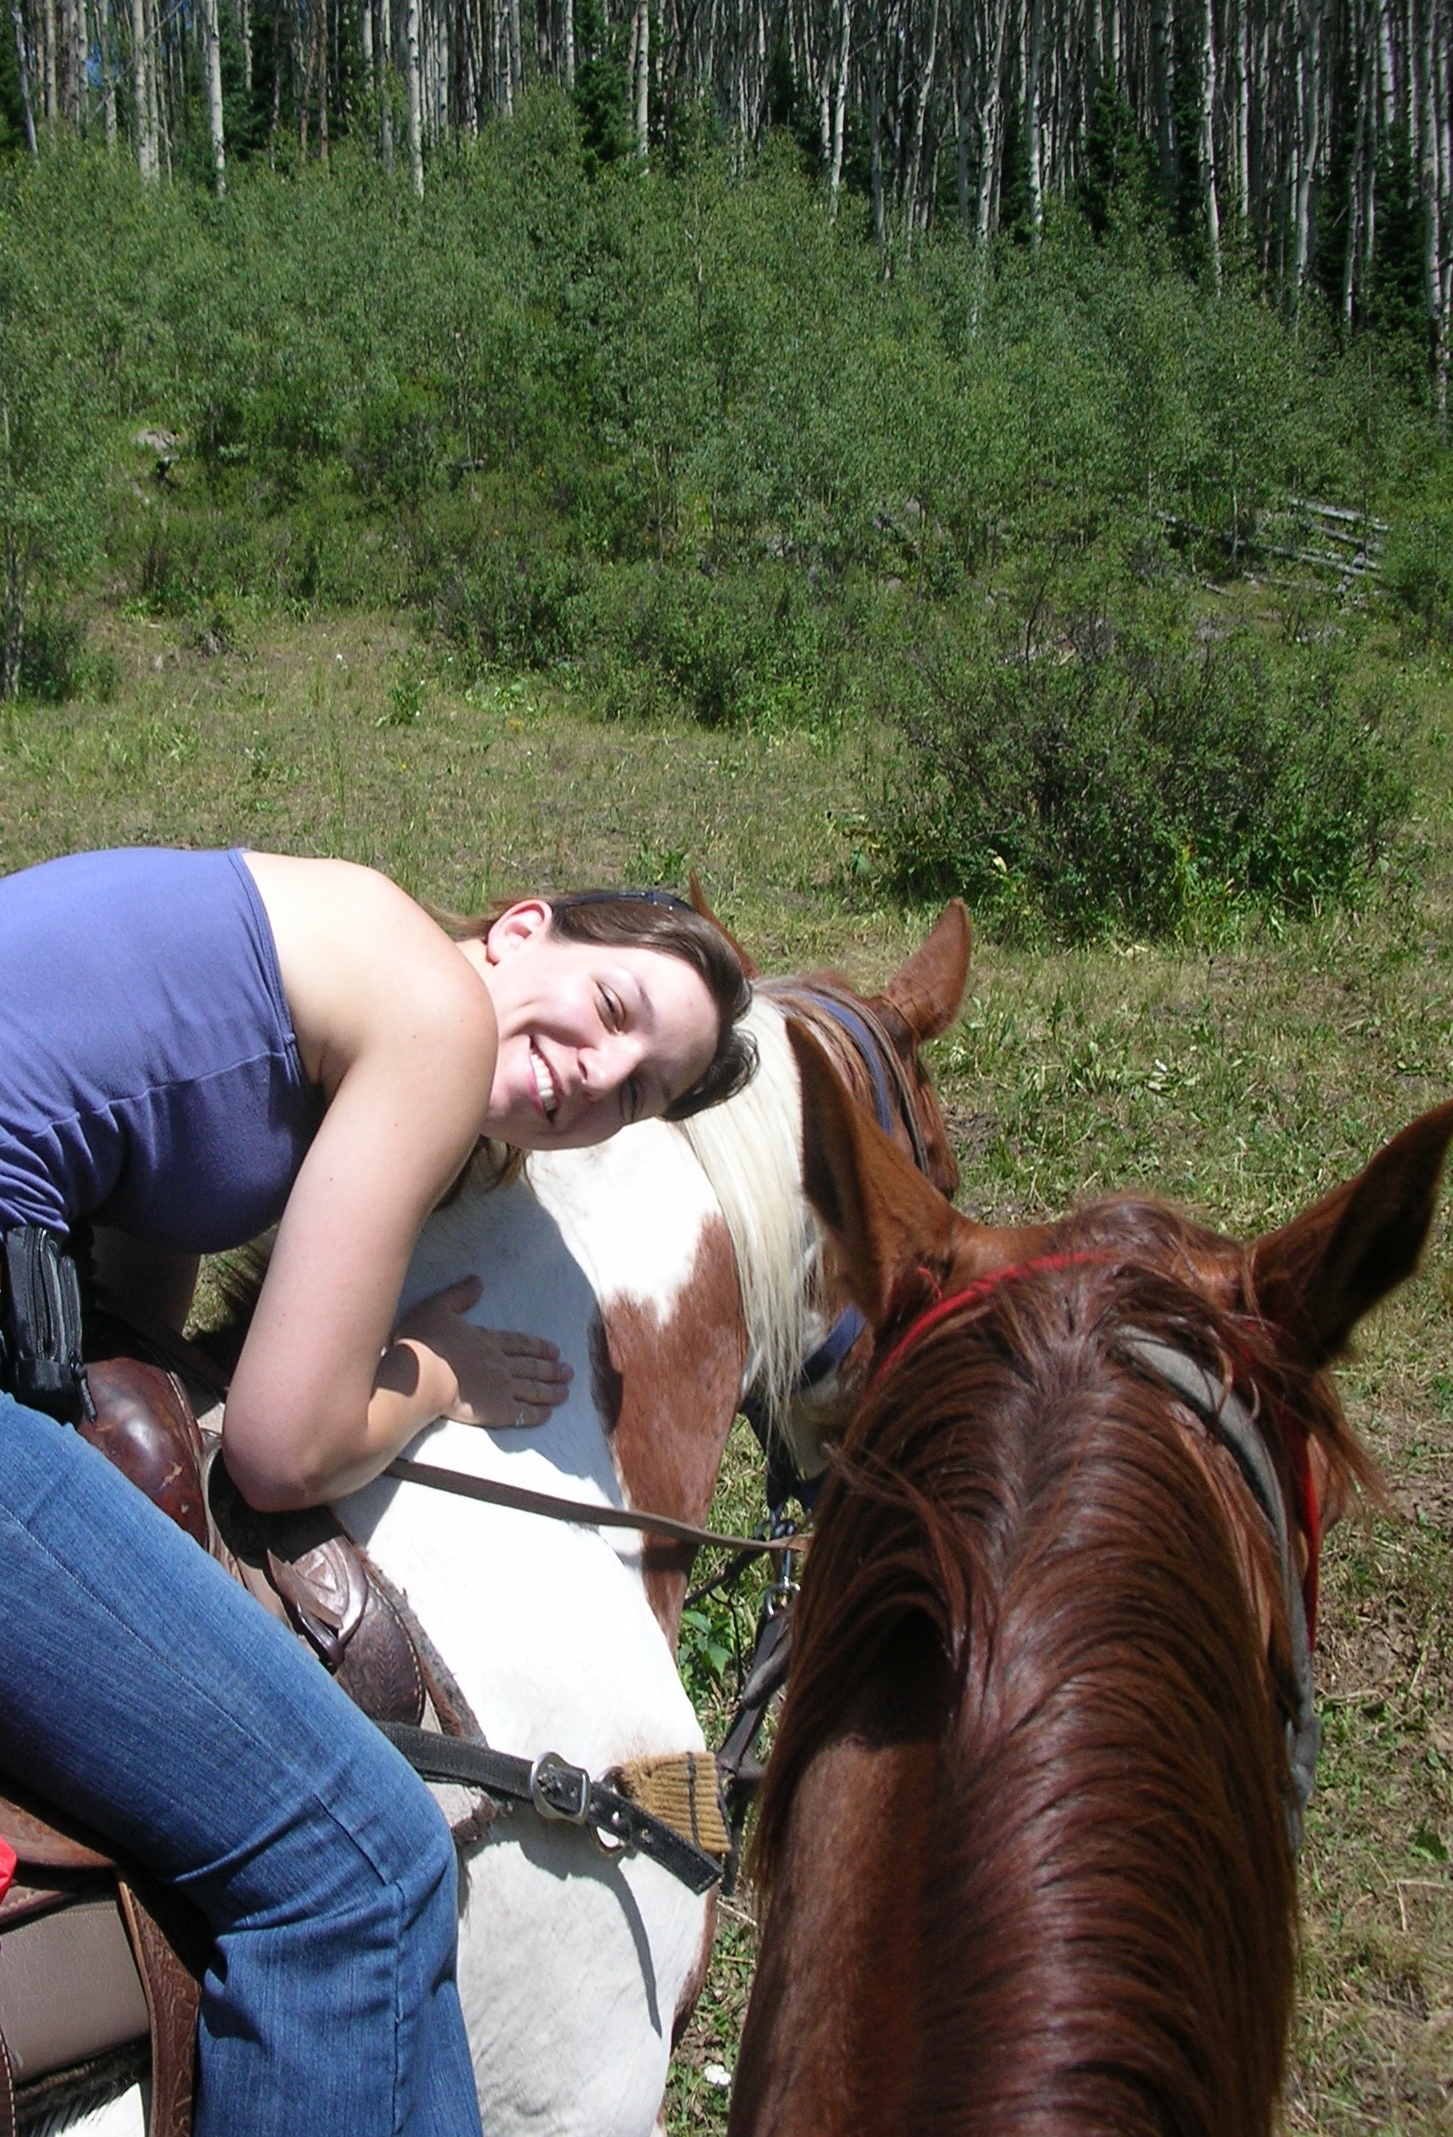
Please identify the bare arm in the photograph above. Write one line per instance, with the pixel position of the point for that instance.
(305, 1417)
(401, 1032)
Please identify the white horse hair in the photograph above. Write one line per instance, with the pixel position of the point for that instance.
(751, 1152)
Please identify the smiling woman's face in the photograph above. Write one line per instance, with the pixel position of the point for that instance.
(591, 1036)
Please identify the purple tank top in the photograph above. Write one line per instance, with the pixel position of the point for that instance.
(149, 1075)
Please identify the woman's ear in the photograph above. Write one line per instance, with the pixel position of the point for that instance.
(516, 926)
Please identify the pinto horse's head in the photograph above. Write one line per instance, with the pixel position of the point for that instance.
(901, 1246)
(1024, 1835)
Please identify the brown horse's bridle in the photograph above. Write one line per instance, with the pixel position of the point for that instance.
(1229, 1418)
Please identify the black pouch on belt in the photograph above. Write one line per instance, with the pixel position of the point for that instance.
(40, 1317)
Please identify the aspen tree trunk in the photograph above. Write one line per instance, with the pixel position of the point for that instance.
(1207, 150)
(68, 86)
(48, 55)
(156, 92)
(22, 67)
(1357, 172)
(840, 99)
(303, 47)
(1161, 70)
(385, 83)
(819, 72)
(567, 40)
(1443, 98)
(641, 44)
(365, 46)
(244, 35)
(321, 68)
(1387, 77)
(1243, 116)
(1308, 140)
(106, 46)
(1033, 60)
(1428, 143)
(923, 90)
(416, 136)
(141, 63)
(963, 104)
(212, 60)
(517, 70)
(990, 130)
(80, 55)
(875, 133)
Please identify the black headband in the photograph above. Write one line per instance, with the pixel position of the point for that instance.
(666, 899)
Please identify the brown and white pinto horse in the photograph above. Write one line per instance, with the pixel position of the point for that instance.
(1024, 1841)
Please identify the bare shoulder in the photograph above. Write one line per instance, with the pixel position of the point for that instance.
(364, 968)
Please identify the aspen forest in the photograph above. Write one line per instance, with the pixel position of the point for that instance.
(1303, 135)
(786, 364)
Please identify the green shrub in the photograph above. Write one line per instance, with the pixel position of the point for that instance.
(397, 451)
(745, 647)
(1418, 567)
(1132, 779)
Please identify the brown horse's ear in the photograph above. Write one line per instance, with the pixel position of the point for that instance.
(1321, 1273)
(927, 990)
(899, 1242)
(748, 964)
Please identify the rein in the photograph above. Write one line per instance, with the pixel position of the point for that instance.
(188, 1357)
(580, 1511)
(1236, 1424)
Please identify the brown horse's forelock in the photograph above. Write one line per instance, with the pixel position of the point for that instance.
(1108, 1896)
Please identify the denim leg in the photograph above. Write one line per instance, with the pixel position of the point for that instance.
(145, 1691)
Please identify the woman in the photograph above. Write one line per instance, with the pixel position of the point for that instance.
(197, 1044)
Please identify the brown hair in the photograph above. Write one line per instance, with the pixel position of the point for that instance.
(656, 920)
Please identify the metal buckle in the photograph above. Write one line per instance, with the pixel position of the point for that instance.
(551, 1772)
(782, 1592)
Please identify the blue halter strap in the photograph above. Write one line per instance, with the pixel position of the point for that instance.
(784, 1480)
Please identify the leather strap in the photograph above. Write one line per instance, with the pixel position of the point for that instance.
(1224, 1413)
(173, 1999)
(7, 2092)
(556, 1790)
(583, 1511)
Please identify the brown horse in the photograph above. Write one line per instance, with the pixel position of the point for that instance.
(1024, 1846)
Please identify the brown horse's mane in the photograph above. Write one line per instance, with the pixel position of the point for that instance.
(1016, 1503)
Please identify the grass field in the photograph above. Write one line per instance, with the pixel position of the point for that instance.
(1240, 1078)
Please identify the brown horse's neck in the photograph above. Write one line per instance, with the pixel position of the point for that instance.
(1068, 1895)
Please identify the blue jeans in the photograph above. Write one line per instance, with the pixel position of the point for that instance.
(154, 1699)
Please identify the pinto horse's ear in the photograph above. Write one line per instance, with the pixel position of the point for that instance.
(1321, 1273)
(699, 904)
(900, 1243)
(927, 990)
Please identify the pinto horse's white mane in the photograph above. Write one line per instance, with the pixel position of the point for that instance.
(751, 1152)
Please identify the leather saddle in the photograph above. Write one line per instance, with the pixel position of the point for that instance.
(99, 1966)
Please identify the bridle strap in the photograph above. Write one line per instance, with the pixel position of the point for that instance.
(891, 1095)
(1234, 1423)
(1231, 1420)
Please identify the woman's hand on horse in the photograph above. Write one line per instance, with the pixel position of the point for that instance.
(499, 1377)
